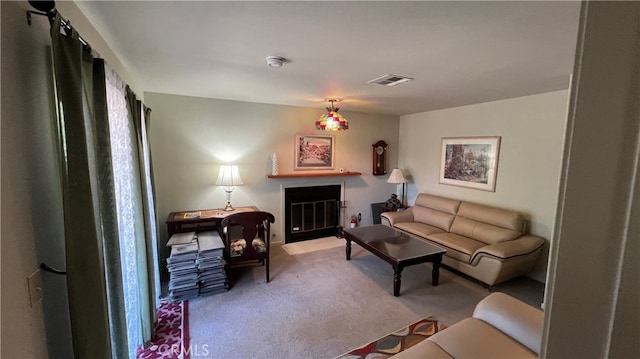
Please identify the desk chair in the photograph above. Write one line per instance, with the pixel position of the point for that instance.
(247, 238)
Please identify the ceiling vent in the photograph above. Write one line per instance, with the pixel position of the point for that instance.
(390, 80)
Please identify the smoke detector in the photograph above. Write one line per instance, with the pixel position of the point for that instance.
(275, 61)
(390, 80)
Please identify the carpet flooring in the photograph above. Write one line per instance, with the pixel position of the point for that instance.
(319, 305)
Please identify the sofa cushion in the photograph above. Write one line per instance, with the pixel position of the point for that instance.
(497, 216)
(457, 246)
(487, 224)
(473, 338)
(442, 204)
(417, 228)
(486, 233)
(521, 321)
(435, 211)
(424, 349)
(432, 217)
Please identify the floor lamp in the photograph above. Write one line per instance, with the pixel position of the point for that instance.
(396, 177)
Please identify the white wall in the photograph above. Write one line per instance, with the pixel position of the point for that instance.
(32, 229)
(191, 137)
(532, 132)
(593, 288)
(32, 212)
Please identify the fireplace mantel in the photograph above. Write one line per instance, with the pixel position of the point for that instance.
(314, 174)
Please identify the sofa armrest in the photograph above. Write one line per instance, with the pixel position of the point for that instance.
(517, 319)
(391, 218)
(520, 246)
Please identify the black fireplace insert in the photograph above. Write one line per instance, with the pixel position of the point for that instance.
(311, 212)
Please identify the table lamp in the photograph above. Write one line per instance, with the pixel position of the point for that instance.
(228, 177)
(396, 177)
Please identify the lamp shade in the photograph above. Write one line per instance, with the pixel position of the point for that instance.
(396, 177)
(229, 176)
(332, 120)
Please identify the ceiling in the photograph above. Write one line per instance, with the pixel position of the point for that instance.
(459, 53)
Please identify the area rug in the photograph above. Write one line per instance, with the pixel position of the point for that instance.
(397, 341)
(313, 245)
(171, 338)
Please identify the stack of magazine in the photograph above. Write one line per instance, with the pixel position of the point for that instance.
(211, 263)
(183, 281)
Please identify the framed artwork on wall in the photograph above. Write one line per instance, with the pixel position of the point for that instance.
(470, 162)
(314, 152)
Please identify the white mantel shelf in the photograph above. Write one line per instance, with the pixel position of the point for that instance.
(314, 174)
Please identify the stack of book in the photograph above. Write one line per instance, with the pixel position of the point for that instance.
(211, 263)
(183, 280)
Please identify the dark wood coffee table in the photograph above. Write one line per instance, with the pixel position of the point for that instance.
(397, 248)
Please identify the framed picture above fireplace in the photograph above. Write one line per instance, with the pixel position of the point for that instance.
(314, 152)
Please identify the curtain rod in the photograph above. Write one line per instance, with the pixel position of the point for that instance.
(64, 23)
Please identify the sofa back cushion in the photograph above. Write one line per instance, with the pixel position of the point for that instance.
(435, 210)
(517, 319)
(487, 224)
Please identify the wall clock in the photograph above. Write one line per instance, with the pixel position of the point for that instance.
(379, 158)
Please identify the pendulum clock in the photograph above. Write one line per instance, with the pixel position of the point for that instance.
(379, 158)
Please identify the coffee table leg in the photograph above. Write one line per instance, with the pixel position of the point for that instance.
(435, 273)
(396, 281)
(348, 249)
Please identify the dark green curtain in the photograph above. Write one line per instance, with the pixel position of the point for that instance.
(98, 323)
(152, 245)
(153, 266)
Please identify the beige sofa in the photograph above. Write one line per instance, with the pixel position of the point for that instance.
(484, 242)
(501, 327)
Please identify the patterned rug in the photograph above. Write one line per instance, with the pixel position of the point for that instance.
(397, 341)
(171, 339)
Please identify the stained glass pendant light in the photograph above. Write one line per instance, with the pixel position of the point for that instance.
(332, 120)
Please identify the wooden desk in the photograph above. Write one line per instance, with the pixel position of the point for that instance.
(200, 219)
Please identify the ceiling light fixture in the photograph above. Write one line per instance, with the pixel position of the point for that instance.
(332, 121)
(275, 61)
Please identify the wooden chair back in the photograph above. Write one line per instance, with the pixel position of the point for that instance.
(254, 240)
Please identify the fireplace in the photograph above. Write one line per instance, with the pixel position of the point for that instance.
(311, 212)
